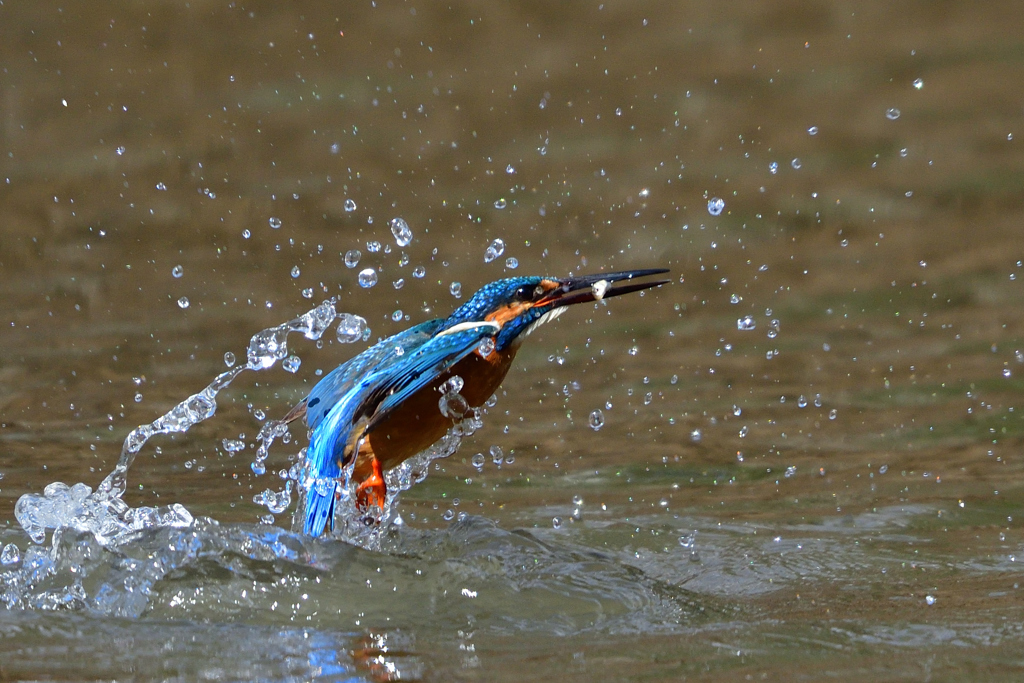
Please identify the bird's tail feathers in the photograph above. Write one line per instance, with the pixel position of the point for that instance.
(320, 507)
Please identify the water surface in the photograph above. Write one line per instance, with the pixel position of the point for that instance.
(830, 487)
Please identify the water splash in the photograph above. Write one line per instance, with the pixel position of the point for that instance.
(103, 513)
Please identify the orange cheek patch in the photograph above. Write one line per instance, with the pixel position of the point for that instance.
(510, 312)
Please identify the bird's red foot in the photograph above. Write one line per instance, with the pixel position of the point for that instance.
(372, 490)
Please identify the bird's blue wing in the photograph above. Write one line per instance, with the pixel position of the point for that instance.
(368, 400)
(330, 390)
(425, 364)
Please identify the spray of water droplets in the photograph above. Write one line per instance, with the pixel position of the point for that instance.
(103, 513)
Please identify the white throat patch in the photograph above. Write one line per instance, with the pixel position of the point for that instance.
(547, 317)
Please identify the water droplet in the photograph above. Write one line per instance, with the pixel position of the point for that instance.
(796, 164)
(511, 263)
(715, 206)
(485, 346)
(892, 113)
(350, 206)
(233, 445)
(790, 471)
(773, 167)
(735, 299)
(291, 363)
(813, 130)
(352, 257)
(478, 461)
(596, 420)
(929, 599)
(510, 169)
(419, 272)
(138, 398)
(1007, 372)
(367, 278)
(497, 455)
(177, 271)
(246, 234)
(295, 271)
(399, 283)
(448, 515)
(500, 204)
(183, 302)
(275, 222)
(674, 379)
(351, 328)
(832, 414)
(696, 436)
(494, 250)
(402, 232)
(556, 522)
(744, 430)
(745, 323)
(11, 554)
(918, 83)
(456, 289)
(229, 359)
(307, 293)
(120, 151)
(373, 246)
(802, 401)
(397, 315)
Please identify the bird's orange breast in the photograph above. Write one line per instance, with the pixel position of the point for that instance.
(417, 423)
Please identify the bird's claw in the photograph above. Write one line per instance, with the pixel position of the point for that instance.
(372, 490)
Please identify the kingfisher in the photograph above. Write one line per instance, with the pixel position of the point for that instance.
(380, 408)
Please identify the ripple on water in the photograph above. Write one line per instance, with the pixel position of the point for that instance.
(211, 573)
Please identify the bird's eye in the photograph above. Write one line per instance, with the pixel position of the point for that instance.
(524, 293)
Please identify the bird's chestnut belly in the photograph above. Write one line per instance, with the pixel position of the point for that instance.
(417, 423)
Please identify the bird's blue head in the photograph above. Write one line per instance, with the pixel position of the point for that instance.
(521, 304)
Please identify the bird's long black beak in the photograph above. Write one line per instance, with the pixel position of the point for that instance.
(584, 288)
